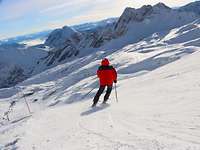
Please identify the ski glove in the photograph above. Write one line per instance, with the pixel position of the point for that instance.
(115, 81)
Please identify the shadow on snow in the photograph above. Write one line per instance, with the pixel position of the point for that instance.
(94, 110)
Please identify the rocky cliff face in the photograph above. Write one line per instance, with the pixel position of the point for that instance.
(131, 15)
(63, 44)
(137, 24)
(98, 37)
(59, 38)
(67, 42)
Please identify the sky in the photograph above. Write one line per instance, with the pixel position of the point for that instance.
(19, 17)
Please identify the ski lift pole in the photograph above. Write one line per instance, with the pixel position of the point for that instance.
(27, 105)
(29, 110)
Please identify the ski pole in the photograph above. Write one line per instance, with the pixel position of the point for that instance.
(116, 93)
(88, 93)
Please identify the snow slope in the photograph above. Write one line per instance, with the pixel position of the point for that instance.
(158, 90)
(159, 110)
(143, 119)
(17, 61)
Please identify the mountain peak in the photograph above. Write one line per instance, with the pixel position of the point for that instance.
(146, 10)
(67, 28)
(59, 37)
(137, 14)
(161, 6)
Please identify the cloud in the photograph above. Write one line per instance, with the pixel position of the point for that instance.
(20, 8)
(42, 14)
(65, 5)
(93, 12)
(101, 9)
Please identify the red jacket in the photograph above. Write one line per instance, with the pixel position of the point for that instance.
(106, 73)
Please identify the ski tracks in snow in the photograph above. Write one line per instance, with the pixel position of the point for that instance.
(113, 133)
(165, 134)
(123, 131)
(109, 128)
(105, 125)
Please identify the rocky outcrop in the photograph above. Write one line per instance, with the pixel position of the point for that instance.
(63, 44)
(10, 75)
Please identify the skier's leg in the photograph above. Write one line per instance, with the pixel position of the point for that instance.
(108, 92)
(96, 98)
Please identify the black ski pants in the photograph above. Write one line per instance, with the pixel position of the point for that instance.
(100, 91)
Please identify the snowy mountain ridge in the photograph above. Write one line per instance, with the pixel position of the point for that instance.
(140, 23)
(94, 25)
(41, 36)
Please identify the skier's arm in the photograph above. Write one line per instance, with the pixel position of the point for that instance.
(98, 73)
(115, 75)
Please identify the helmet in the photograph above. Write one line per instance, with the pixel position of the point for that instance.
(105, 62)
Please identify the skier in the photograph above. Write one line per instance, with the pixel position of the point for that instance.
(107, 75)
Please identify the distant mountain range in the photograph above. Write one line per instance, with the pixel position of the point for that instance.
(94, 25)
(20, 39)
(44, 34)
